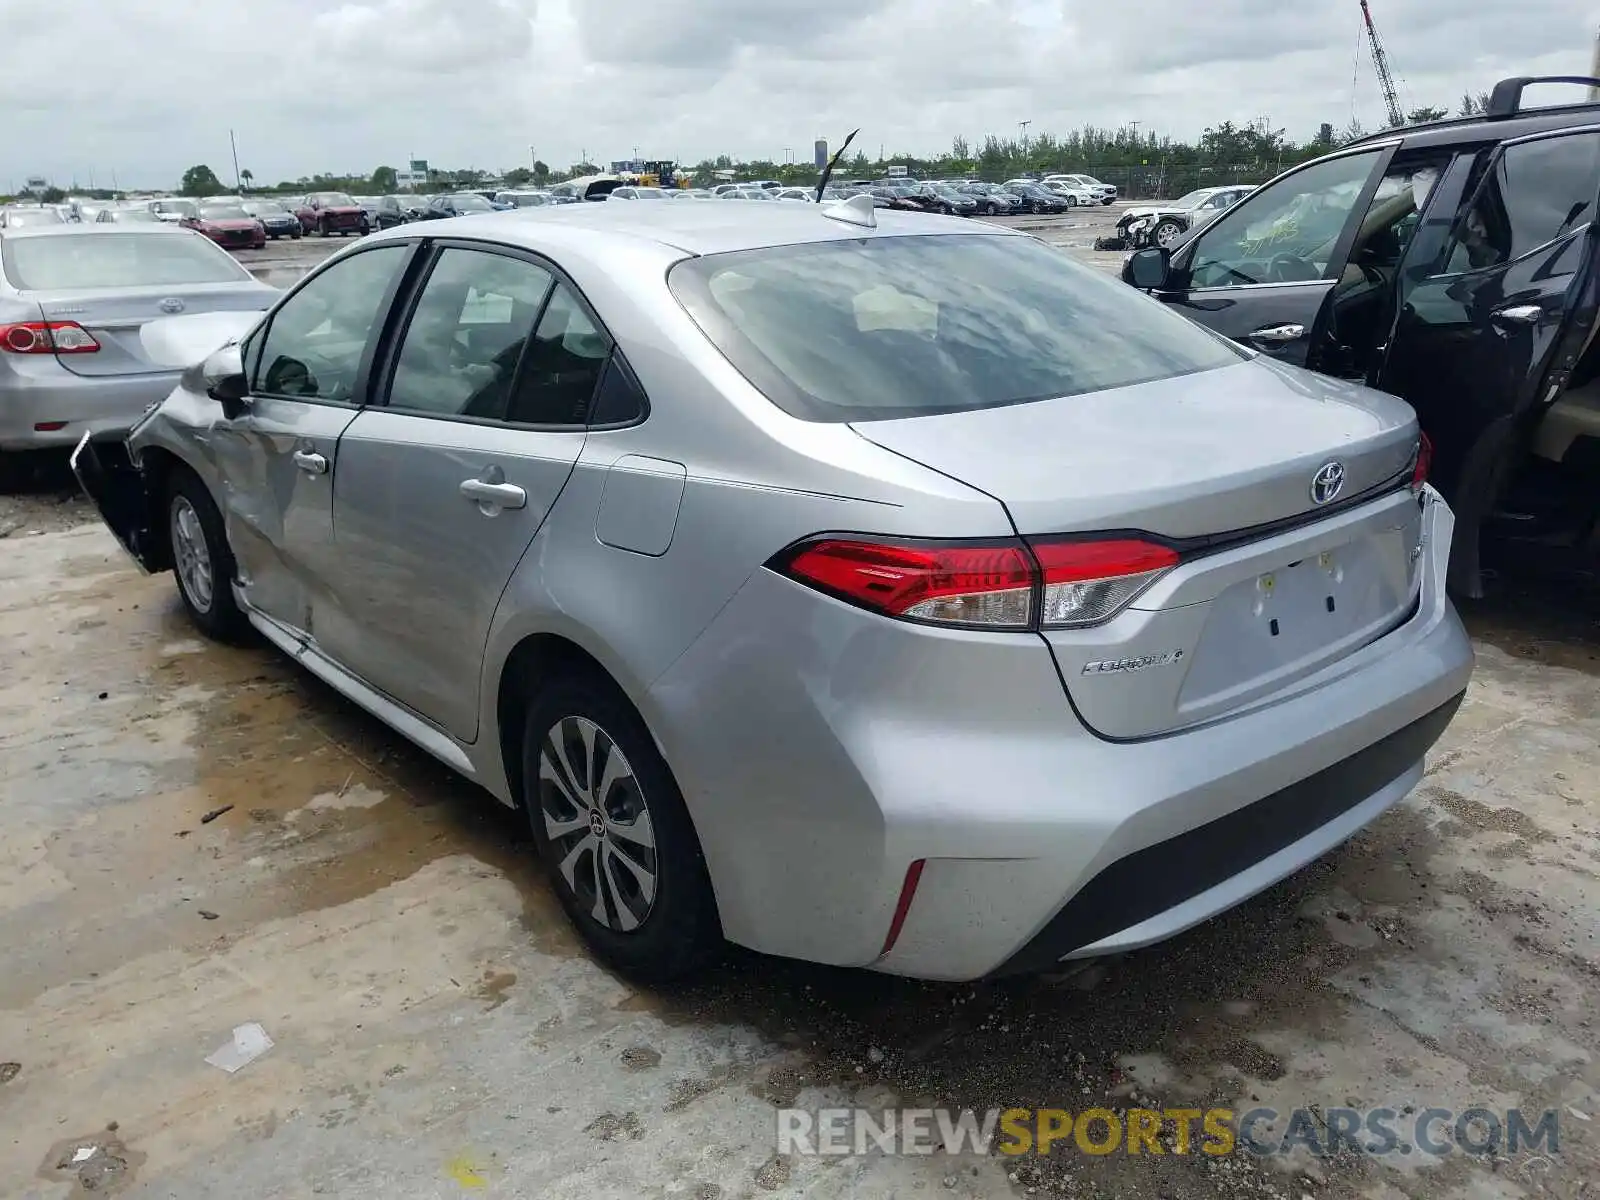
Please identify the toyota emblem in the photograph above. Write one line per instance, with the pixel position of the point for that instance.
(1328, 482)
(172, 305)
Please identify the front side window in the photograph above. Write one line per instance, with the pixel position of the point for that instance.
(467, 334)
(1537, 193)
(1285, 233)
(889, 327)
(314, 344)
(1391, 219)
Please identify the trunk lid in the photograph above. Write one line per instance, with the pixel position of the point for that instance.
(116, 318)
(1194, 456)
(1219, 464)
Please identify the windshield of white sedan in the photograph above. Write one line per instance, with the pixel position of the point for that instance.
(113, 260)
(878, 328)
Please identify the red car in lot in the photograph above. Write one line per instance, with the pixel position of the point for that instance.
(329, 213)
(228, 226)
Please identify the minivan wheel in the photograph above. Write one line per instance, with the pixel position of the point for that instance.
(614, 833)
(202, 561)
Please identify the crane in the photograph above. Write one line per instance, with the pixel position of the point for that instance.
(1380, 63)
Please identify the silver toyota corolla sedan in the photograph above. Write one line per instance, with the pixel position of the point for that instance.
(73, 302)
(874, 589)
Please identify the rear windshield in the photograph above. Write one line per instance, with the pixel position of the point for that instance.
(886, 327)
(113, 260)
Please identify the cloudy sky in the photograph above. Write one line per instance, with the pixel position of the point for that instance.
(141, 89)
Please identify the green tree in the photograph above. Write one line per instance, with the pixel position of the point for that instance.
(1421, 116)
(247, 177)
(1473, 105)
(52, 195)
(385, 180)
(201, 181)
(519, 177)
(541, 171)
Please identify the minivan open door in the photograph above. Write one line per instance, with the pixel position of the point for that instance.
(1492, 319)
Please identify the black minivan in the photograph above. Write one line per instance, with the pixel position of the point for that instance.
(1452, 264)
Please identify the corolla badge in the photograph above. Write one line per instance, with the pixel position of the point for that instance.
(172, 305)
(1328, 482)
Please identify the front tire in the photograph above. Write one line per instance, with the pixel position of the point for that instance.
(612, 828)
(324, 229)
(1166, 232)
(202, 560)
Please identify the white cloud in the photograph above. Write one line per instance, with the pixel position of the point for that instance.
(145, 88)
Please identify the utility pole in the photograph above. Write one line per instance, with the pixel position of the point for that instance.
(1594, 71)
(238, 185)
(1023, 127)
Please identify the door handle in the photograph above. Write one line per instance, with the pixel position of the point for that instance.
(311, 462)
(1520, 314)
(1278, 333)
(498, 495)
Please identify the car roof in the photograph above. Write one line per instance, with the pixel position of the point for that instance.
(1455, 131)
(692, 228)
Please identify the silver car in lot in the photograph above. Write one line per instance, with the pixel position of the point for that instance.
(869, 588)
(74, 300)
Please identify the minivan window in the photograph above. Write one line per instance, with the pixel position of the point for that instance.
(1537, 192)
(887, 327)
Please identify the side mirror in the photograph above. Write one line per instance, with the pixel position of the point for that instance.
(1148, 268)
(223, 375)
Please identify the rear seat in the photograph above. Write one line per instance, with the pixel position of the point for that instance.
(1576, 414)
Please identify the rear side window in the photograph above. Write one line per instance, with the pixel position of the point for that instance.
(112, 260)
(1535, 194)
(562, 366)
(467, 334)
(885, 327)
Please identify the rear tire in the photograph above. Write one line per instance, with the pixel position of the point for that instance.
(202, 560)
(626, 864)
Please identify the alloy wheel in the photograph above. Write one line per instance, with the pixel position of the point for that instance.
(191, 556)
(597, 822)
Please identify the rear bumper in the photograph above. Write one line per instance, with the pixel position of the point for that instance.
(823, 750)
(48, 394)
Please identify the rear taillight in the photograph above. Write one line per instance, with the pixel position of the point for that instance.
(47, 337)
(1421, 463)
(1001, 585)
(990, 585)
(1087, 582)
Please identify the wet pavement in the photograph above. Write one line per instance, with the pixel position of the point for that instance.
(439, 1032)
